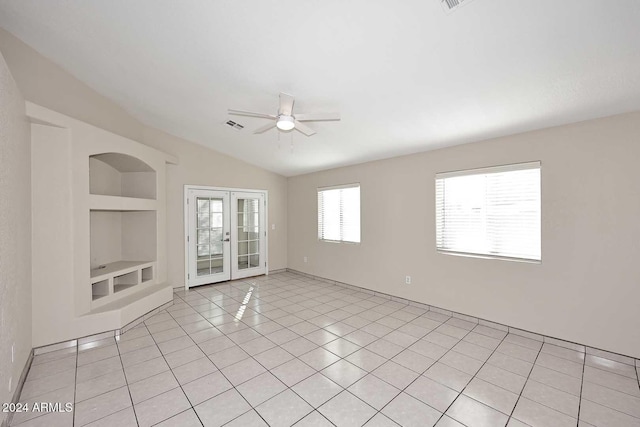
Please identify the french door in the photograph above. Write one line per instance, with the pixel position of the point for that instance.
(225, 234)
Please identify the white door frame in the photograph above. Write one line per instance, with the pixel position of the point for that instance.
(188, 187)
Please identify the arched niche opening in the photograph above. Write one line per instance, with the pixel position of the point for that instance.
(117, 174)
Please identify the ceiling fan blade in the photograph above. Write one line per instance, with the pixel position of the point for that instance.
(265, 128)
(251, 114)
(286, 104)
(304, 129)
(317, 117)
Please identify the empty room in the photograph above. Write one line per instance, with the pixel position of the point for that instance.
(303, 213)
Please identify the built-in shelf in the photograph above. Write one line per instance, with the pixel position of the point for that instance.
(111, 281)
(112, 214)
(125, 281)
(123, 217)
(147, 274)
(99, 289)
(117, 203)
(118, 268)
(122, 235)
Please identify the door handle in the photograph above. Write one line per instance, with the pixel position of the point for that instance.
(226, 240)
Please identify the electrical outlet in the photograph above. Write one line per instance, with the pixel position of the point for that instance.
(306, 259)
(273, 226)
(407, 280)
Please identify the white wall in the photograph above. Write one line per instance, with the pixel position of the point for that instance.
(15, 235)
(586, 290)
(47, 84)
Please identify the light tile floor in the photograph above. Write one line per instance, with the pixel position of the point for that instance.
(286, 349)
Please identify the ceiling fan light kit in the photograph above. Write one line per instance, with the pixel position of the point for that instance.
(285, 120)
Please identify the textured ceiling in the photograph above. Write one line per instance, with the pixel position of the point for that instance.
(405, 76)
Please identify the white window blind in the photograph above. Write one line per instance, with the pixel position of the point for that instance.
(490, 212)
(339, 213)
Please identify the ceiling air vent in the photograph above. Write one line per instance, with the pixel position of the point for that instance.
(234, 125)
(451, 5)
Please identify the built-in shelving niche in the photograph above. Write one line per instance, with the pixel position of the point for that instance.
(116, 174)
(99, 289)
(123, 218)
(123, 252)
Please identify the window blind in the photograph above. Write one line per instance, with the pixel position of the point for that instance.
(490, 212)
(339, 213)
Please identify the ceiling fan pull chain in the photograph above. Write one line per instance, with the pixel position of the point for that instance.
(291, 142)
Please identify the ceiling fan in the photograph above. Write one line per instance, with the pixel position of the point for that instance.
(285, 119)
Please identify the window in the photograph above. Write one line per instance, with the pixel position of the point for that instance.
(339, 213)
(492, 212)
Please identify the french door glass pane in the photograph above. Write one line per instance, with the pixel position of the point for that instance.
(243, 248)
(254, 261)
(216, 205)
(210, 249)
(216, 219)
(204, 267)
(243, 262)
(203, 204)
(253, 234)
(216, 235)
(216, 249)
(248, 245)
(203, 219)
(203, 237)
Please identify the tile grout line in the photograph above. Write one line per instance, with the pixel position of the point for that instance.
(219, 370)
(584, 362)
(606, 386)
(580, 398)
(377, 411)
(337, 321)
(314, 409)
(109, 391)
(582, 383)
(405, 349)
(343, 389)
(525, 383)
(507, 334)
(42, 394)
(269, 370)
(75, 385)
(474, 375)
(11, 424)
(174, 376)
(390, 298)
(317, 346)
(126, 380)
(76, 355)
(205, 355)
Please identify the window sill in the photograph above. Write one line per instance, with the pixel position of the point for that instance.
(486, 256)
(339, 241)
